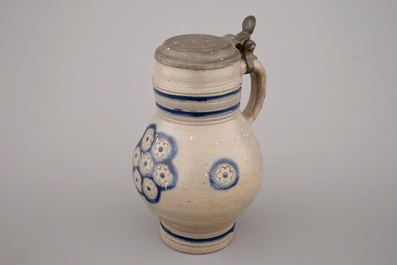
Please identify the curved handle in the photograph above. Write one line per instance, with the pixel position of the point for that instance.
(258, 91)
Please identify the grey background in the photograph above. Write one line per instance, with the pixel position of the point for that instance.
(76, 94)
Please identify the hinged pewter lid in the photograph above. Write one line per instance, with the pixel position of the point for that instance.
(205, 52)
(197, 52)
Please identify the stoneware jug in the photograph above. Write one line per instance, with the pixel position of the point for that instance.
(198, 165)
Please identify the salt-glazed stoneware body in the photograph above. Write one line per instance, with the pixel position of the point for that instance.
(198, 164)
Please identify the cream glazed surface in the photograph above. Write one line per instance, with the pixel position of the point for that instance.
(198, 165)
(219, 173)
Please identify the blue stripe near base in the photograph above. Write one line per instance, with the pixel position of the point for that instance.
(197, 240)
(195, 98)
(194, 114)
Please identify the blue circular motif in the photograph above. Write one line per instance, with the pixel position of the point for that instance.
(157, 175)
(224, 174)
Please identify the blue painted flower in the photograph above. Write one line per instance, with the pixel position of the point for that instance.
(147, 139)
(162, 175)
(138, 180)
(150, 189)
(146, 164)
(137, 156)
(153, 170)
(161, 149)
(224, 174)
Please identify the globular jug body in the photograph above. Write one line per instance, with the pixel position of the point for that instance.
(198, 165)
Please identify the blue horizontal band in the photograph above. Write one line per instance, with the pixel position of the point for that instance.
(195, 98)
(196, 114)
(197, 240)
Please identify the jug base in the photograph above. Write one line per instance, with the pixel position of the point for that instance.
(196, 245)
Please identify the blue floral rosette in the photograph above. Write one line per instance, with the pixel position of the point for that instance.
(153, 170)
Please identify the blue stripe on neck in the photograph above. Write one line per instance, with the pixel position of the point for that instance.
(197, 240)
(195, 98)
(196, 114)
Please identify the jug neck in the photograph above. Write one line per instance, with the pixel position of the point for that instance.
(198, 108)
(197, 95)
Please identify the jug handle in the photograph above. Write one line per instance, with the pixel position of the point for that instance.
(258, 90)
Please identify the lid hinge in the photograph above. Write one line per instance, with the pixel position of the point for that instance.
(244, 43)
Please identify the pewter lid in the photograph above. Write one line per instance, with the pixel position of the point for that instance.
(204, 52)
(197, 52)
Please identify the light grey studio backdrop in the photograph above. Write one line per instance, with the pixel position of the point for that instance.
(76, 94)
